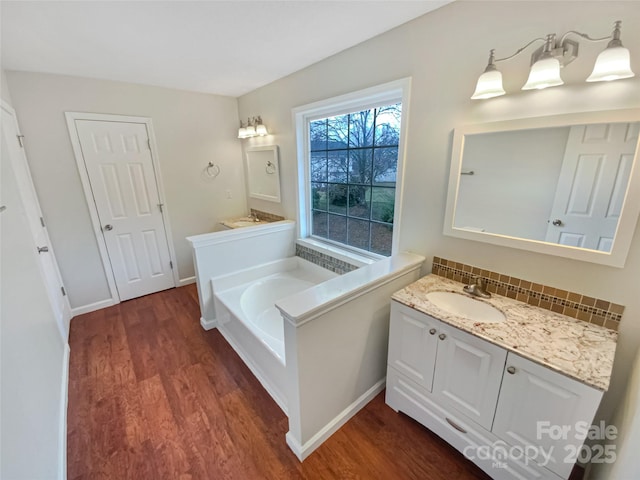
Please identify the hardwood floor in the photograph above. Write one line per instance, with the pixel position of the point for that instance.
(153, 396)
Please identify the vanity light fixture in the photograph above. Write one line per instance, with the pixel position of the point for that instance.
(612, 64)
(254, 128)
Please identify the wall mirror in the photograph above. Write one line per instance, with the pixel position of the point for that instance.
(566, 185)
(263, 172)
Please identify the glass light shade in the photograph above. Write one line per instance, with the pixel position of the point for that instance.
(613, 63)
(251, 131)
(261, 130)
(242, 132)
(544, 73)
(489, 85)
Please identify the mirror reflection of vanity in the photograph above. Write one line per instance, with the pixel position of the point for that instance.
(563, 185)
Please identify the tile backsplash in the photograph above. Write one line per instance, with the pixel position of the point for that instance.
(323, 260)
(269, 217)
(575, 305)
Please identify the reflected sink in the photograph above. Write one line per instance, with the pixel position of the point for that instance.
(466, 307)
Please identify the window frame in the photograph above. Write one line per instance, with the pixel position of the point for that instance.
(397, 91)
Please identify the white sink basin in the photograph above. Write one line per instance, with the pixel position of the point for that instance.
(466, 307)
(243, 222)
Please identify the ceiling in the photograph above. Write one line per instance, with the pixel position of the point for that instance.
(219, 47)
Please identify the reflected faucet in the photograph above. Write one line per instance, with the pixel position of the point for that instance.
(478, 288)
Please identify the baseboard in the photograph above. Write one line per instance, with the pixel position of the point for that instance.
(64, 401)
(186, 281)
(208, 324)
(303, 451)
(92, 307)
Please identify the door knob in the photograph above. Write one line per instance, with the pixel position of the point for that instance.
(442, 336)
(511, 370)
(557, 222)
(108, 227)
(432, 331)
(44, 249)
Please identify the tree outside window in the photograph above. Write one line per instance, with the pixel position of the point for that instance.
(354, 162)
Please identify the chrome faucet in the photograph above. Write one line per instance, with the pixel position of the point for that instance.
(478, 288)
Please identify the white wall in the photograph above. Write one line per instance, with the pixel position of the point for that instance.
(444, 52)
(510, 193)
(191, 129)
(33, 361)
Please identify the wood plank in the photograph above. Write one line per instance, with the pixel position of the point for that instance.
(153, 396)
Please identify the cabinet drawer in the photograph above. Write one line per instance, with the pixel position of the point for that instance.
(481, 447)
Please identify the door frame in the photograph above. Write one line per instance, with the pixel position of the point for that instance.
(71, 118)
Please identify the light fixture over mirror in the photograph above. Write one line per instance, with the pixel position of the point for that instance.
(612, 64)
(254, 128)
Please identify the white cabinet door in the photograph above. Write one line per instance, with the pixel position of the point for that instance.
(541, 410)
(412, 344)
(468, 374)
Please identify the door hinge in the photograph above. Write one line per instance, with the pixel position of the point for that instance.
(160, 205)
(171, 264)
(64, 293)
(42, 222)
(20, 137)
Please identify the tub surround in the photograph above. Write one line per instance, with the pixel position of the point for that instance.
(221, 253)
(313, 302)
(588, 309)
(575, 348)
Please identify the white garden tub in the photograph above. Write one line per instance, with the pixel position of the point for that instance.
(251, 323)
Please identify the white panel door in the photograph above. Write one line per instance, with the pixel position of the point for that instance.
(592, 184)
(468, 374)
(123, 182)
(14, 151)
(412, 344)
(544, 410)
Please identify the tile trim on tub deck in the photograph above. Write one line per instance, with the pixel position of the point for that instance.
(574, 305)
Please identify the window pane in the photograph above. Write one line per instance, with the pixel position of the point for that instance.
(319, 226)
(337, 161)
(338, 132)
(318, 135)
(359, 201)
(319, 196)
(338, 228)
(381, 238)
(361, 125)
(360, 166)
(388, 125)
(382, 204)
(319, 166)
(359, 233)
(353, 162)
(385, 165)
(337, 195)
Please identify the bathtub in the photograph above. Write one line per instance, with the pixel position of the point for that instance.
(251, 323)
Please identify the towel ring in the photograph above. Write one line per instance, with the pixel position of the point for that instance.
(212, 170)
(270, 168)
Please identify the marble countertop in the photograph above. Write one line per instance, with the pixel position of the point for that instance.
(243, 222)
(575, 348)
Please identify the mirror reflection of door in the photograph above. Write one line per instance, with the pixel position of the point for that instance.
(592, 185)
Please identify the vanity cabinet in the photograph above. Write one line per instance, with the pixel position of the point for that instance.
(545, 410)
(488, 403)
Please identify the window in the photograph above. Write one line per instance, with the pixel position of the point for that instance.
(351, 161)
